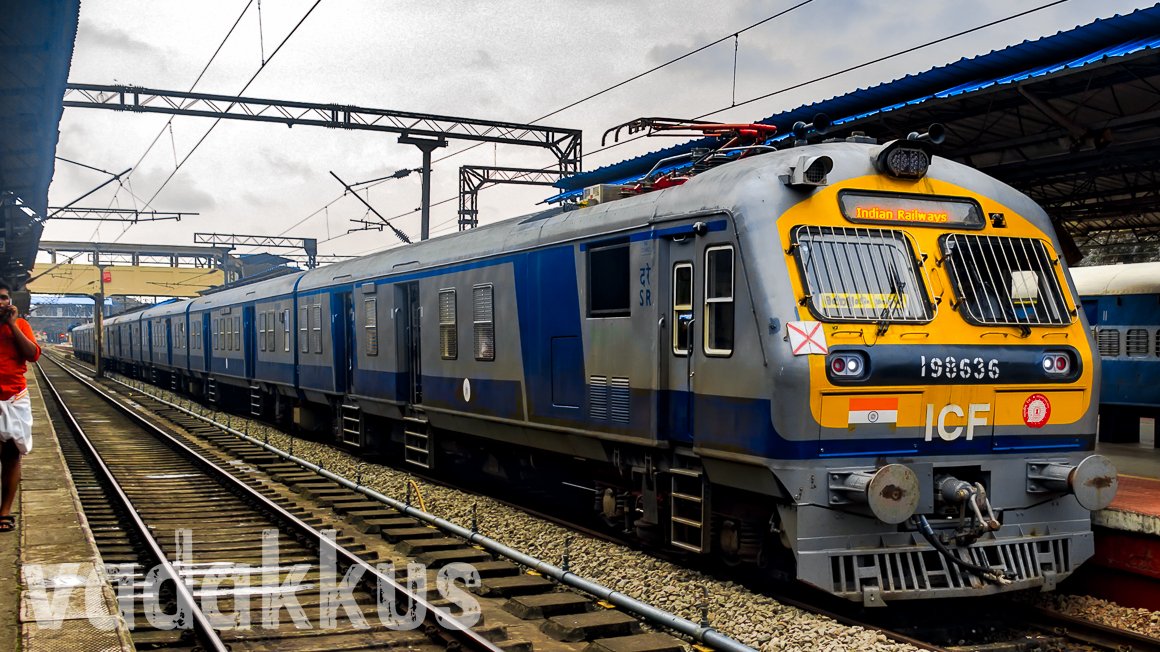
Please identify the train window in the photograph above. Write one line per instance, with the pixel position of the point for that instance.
(609, 294)
(682, 307)
(1108, 341)
(861, 275)
(316, 327)
(286, 330)
(719, 300)
(238, 333)
(371, 307)
(483, 319)
(262, 331)
(304, 329)
(1005, 281)
(1136, 342)
(271, 333)
(215, 335)
(448, 331)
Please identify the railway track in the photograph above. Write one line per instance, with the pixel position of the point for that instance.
(520, 611)
(1016, 627)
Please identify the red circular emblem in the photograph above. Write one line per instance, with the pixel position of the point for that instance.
(1036, 410)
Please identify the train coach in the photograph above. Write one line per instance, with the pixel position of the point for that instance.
(1122, 304)
(858, 363)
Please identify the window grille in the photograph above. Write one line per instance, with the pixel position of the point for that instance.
(1156, 348)
(1136, 342)
(271, 331)
(316, 328)
(1005, 281)
(719, 301)
(262, 331)
(448, 333)
(237, 333)
(304, 329)
(1108, 341)
(861, 275)
(483, 318)
(286, 330)
(372, 325)
(216, 337)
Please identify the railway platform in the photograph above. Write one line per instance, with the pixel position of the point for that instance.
(1126, 565)
(55, 594)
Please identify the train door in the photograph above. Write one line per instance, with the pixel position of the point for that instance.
(408, 315)
(676, 349)
(342, 334)
(249, 341)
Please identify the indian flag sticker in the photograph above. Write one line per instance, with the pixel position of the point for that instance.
(873, 410)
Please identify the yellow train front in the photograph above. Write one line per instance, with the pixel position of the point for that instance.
(932, 381)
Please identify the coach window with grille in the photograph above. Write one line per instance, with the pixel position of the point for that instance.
(371, 308)
(262, 331)
(286, 330)
(1004, 281)
(719, 301)
(304, 329)
(316, 327)
(484, 322)
(448, 331)
(861, 275)
(271, 333)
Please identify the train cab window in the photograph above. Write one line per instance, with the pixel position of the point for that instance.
(861, 275)
(371, 308)
(448, 329)
(286, 330)
(483, 319)
(1005, 281)
(316, 328)
(682, 307)
(719, 301)
(609, 294)
(304, 329)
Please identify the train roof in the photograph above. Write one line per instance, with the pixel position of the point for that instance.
(277, 286)
(750, 188)
(1102, 280)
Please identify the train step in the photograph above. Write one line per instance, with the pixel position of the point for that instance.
(572, 628)
(689, 509)
(352, 424)
(544, 605)
(417, 443)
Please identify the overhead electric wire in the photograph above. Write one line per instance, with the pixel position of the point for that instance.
(217, 121)
(589, 97)
(750, 100)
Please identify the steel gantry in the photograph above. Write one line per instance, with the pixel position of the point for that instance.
(308, 245)
(424, 130)
(473, 178)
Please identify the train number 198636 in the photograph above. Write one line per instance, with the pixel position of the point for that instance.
(965, 368)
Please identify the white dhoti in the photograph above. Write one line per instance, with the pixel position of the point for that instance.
(16, 421)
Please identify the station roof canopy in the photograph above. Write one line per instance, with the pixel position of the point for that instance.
(36, 46)
(1072, 119)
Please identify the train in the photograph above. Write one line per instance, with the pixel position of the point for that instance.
(1122, 305)
(854, 363)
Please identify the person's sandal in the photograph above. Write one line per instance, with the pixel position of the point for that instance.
(7, 523)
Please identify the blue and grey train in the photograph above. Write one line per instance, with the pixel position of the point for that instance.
(1122, 304)
(858, 362)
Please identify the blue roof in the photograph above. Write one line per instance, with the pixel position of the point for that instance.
(1100, 40)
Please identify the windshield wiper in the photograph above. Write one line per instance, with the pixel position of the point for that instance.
(897, 286)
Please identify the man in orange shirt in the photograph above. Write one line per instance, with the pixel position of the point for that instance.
(17, 349)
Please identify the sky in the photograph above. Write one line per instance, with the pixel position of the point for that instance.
(494, 60)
